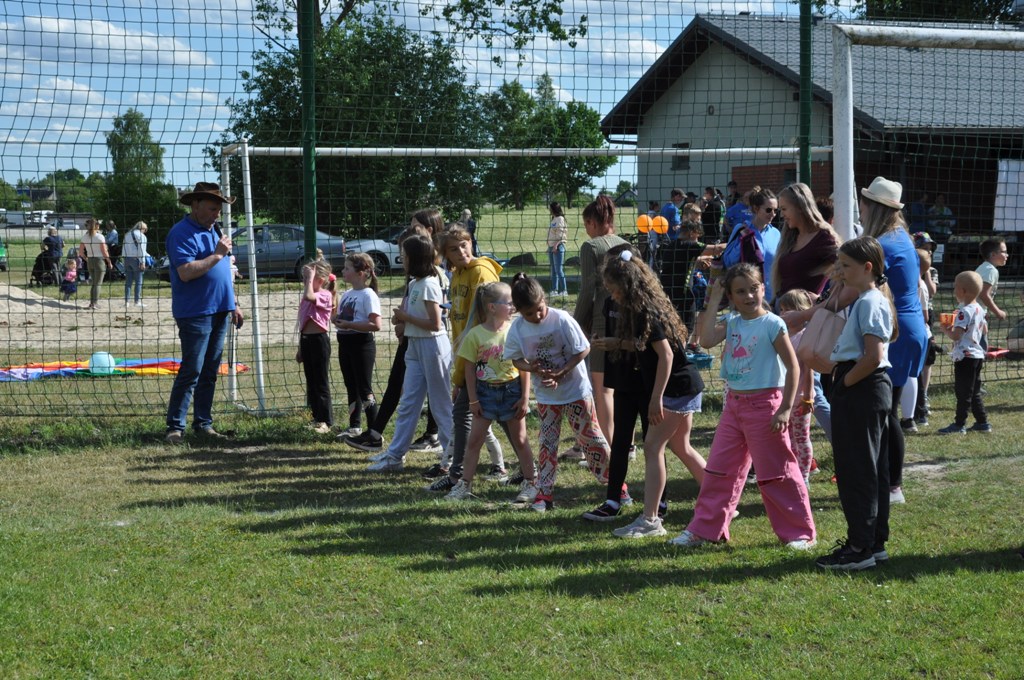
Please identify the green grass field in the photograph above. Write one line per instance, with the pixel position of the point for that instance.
(277, 555)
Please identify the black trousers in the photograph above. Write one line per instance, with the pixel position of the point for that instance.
(393, 393)
(316, 364)
(860, 424)
(967, 385)
(357, 355)
(897, 442)
(627, 407)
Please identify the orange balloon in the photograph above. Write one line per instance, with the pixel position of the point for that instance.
(660, 225)
(643, 223)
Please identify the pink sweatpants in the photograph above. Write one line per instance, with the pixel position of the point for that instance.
(745, 433)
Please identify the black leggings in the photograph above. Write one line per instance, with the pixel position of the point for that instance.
(627, 408)
(393, 393)
(316, 364)
(357, 354)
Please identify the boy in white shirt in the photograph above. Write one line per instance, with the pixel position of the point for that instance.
(966, 331)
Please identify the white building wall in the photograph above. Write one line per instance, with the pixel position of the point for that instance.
(721, 101)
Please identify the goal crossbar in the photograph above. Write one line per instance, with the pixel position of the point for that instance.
(844, 36)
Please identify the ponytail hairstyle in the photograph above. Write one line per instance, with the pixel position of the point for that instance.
(526, 291)
(644, 300)
(363, 264)
(758, 197)
(601, 212)
(486, 294)
(867, 250)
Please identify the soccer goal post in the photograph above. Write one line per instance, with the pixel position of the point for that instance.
(844, 37)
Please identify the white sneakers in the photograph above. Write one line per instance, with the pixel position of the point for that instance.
(642, 527)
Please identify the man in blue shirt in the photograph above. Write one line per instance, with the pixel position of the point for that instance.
(202, 302)
(670, 211)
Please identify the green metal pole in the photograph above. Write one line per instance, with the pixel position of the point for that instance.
(804, 139)
(307, 74)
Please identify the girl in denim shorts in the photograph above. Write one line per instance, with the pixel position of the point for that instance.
(497, 390)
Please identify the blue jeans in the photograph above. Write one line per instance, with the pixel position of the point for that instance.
(202, 342)
(822, 408)
(556, 258)
(133, 275)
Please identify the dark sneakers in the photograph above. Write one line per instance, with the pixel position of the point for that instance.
(364, 442)
(845, 558)
(952, 428)
(606, 512)
(982, 427)
(435, 471)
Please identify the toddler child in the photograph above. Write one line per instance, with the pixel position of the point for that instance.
(69, 286)
(966, 331)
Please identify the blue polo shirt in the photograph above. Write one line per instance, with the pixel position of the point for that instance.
(212, 292)
(671, 213)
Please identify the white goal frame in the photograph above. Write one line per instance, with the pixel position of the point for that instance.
(844, 36)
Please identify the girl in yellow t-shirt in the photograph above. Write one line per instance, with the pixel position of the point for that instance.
(497, 390)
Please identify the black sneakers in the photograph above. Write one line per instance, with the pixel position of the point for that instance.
(442, 484)
(606, 512)
(845, 558)
(364, 442)
(435, 471)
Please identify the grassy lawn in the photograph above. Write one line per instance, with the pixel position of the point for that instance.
(279, 556)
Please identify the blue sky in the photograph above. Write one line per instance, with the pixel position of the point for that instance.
(69, 68)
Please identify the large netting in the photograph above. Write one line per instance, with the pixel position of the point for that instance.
(112, 111)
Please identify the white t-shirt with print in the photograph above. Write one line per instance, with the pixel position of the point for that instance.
(357, 306)
(971, 318)
(553, 341)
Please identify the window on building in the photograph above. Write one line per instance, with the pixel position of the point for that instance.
(681, 162)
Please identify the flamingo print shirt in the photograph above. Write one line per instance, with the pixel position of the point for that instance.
(750, 361)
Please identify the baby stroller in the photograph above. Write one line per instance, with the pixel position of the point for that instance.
(44, 271)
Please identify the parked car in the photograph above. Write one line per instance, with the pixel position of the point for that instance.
(64, 224)
(281, 248)
(382, 246)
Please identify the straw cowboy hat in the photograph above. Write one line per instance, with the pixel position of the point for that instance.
(884, 191)
(206, 190)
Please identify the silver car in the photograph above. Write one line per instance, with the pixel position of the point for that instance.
(382, 246)
(280, 249)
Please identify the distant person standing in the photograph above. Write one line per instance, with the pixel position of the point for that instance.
(135, 255)
(202, 303)
(558, 235)
(712, 207)
(467, 219)
(940, 219)
(113, 240)
(670, 211)
(93, 249)
(918, 213)
(54, 245)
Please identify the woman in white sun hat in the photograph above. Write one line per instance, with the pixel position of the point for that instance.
(881, 214)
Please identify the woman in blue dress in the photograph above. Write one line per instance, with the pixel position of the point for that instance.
(882, 217)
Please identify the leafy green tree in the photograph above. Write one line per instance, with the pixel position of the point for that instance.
(8, 197)
(133, 152)
(378, 85)
(576, 125)
(135, 190)
(510, 113)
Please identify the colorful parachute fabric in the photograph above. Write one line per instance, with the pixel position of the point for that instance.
(72, 369)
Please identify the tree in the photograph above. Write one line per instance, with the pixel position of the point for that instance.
(511, 22)
(575, 126)
(511, 115)
(133, 153)
(135, 189)
(378, 85)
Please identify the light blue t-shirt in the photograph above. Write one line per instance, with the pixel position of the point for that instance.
(870, 314)
(750, 361)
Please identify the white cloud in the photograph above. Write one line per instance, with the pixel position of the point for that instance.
(95, 41)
